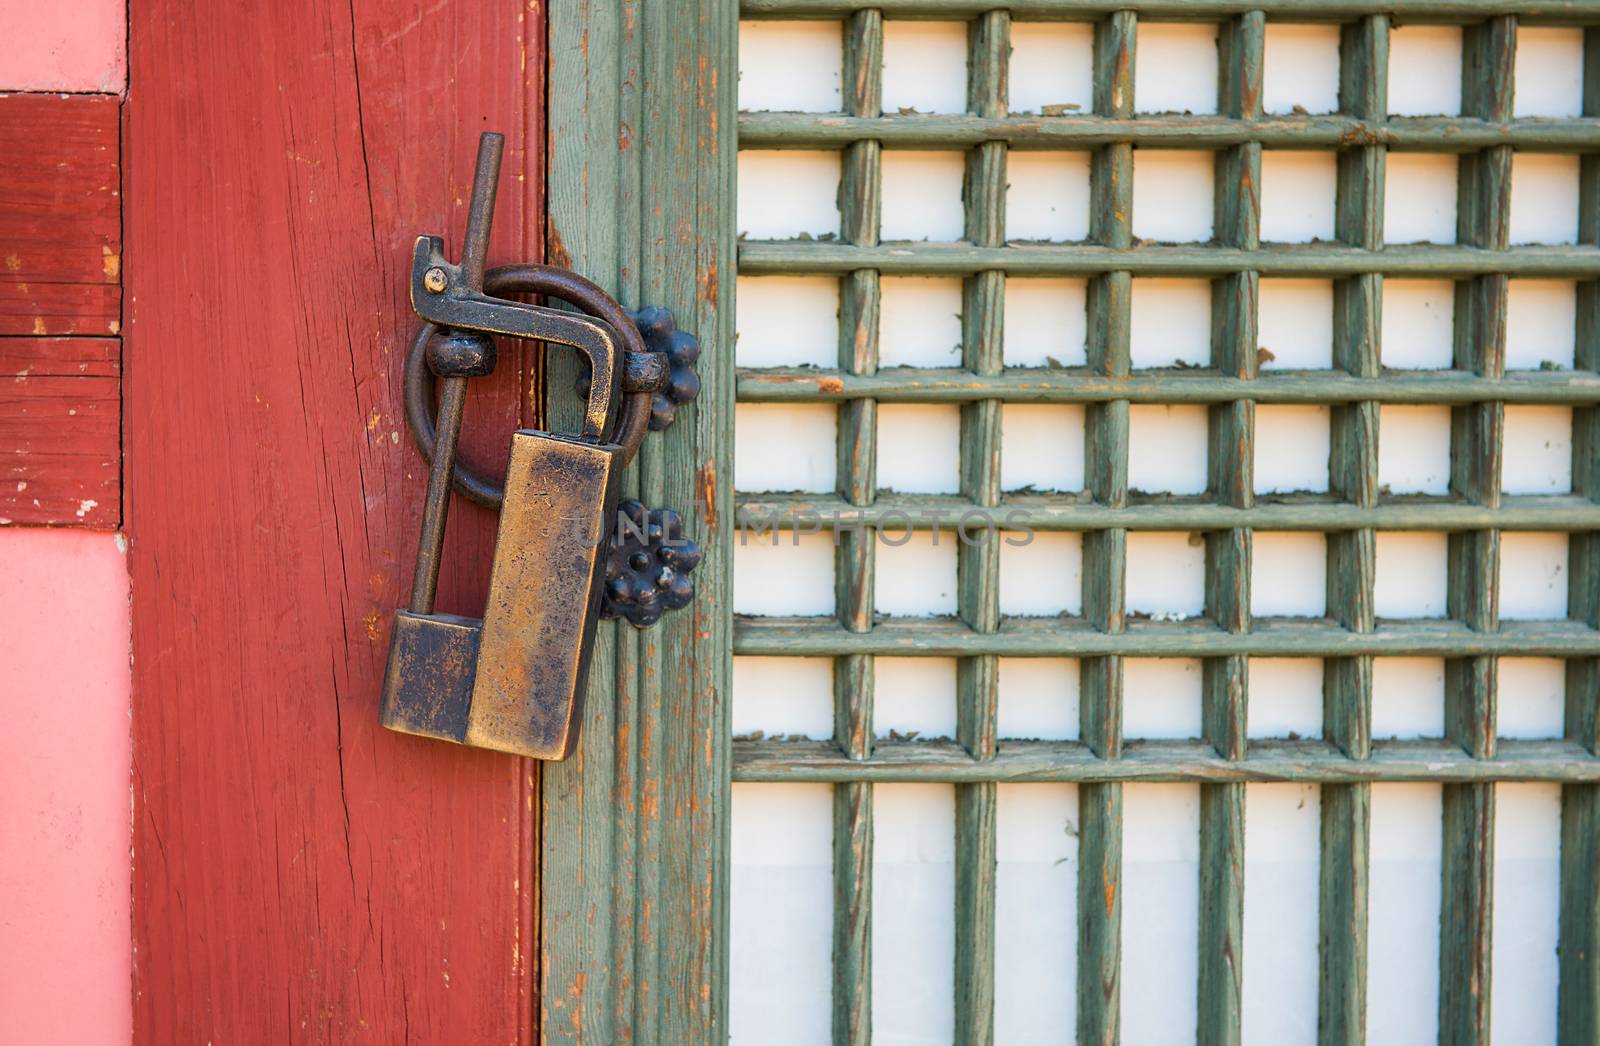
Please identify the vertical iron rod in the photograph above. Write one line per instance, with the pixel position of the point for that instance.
(453, 396)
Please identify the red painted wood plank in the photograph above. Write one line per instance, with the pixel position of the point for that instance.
(300, 873)
(60, 432)
(60, 214)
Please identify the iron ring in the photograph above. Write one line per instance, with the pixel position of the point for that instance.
(632, 421)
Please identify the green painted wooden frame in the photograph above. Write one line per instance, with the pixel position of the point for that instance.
(634, 828)
(1467, 761)
(634, 852)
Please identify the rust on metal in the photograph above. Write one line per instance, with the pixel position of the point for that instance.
(544, 595)
(514, 682)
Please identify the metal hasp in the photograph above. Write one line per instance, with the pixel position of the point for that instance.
(514, 681)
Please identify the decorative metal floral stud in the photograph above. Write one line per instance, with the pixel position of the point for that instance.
(648, 566)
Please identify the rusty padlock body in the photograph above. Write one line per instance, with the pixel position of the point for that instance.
(514, 682)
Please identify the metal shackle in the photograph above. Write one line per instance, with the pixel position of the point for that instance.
(604, 316)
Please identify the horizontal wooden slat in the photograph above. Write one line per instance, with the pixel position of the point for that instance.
(1188, 761)
(758, 513)
(1532, 11)
(60, 214)
(797, 257)
(60, 432)
(1083, 385)
(767, 130)
(1074, 637)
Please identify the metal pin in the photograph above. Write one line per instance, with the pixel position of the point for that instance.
(453, 395)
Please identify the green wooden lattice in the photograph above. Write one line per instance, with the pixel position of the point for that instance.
(1346, 760)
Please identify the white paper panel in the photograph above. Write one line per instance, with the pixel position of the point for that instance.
(1281, 844)
(790, 66)
(780, 939)
(913, 913)
(1160, 902)
(1036, 924)
(780, 697)
(1403, 914)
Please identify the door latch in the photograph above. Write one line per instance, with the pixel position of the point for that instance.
(566, 554)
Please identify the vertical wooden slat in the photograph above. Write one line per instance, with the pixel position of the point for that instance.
(978, 591)
(1466, 921)
(1353, 476)
(1235, 301)
(1579, 951)
(1105, 551)
(633, 943)
(859, 292)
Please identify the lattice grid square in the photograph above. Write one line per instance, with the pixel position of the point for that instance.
(1447, 187)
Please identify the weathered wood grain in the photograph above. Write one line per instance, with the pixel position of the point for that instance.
(1231, 468)
(1343, 867)
(1081, 637)
(795, 257)
(1099, 912)
(1477, 436)
(61, 432)
(300, 873)
(1191, 762)
(60, 215)
(1105, 552)
(762, 514)
(1565, 11)
(1433, 134)
(854, 679)
(634, 836)
(978, 566)
(60, 274)
(1210, 385)
(1579, 949)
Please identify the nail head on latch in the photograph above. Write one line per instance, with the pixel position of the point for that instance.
(435, 280)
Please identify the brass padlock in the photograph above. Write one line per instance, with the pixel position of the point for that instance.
(514, 681)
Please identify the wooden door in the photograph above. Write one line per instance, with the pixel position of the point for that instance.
(300, 873)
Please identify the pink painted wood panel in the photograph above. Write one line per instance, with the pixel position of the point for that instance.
(65, 953)
(79, 45)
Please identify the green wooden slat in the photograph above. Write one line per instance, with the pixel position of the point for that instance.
(1085, 385)
(763, 514)
(1105, 551)
(1477, 430)
(1099, 913)
(1345, 810)
(1433, 134)
(1580, 915)
(1564, 11)
(853, 675)
(634, 840)
(793, 257)
(584, 921)
(1230, 464)
(978, 579)
(1190, 762)
(974, 915)
(852, 912)
(1079, 637)
(1579, 1002)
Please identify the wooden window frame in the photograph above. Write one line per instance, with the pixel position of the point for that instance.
(1467, 762)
